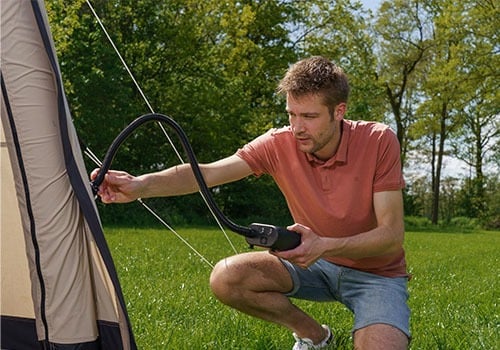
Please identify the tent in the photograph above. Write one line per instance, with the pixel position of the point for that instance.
(59, 287)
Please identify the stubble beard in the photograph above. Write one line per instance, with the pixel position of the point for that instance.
(321, 141)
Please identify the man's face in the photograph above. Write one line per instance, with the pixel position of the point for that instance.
(315, 130)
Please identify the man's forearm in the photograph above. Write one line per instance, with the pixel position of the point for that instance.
(376, 242)
(174, 181)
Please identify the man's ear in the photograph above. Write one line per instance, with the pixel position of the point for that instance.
(340, 111)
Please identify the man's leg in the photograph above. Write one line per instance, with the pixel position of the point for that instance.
(380, 306)
(255, 283)
(380, 337)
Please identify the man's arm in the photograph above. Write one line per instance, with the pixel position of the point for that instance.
(386, 238)
(121, 187)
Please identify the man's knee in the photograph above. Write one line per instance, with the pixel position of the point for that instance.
(230, 278)
(221, 281)
(241, 275)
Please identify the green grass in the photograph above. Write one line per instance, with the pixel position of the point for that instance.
(453, 293)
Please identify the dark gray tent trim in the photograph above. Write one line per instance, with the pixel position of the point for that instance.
(18, 333)
(102, 301)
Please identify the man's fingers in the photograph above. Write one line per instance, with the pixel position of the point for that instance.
(94, 173)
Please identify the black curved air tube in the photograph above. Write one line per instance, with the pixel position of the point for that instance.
(262, 235)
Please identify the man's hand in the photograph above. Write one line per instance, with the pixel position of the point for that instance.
(117, 187)
(310, 249)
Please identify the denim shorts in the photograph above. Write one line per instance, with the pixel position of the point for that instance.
(372, 298)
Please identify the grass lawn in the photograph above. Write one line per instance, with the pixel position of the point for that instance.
(454, 292)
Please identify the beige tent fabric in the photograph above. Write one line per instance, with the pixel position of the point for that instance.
(70, 289)
(16, 286)
(59, 237)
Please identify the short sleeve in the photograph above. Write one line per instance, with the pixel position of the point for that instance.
(388, 172)
(259, 153)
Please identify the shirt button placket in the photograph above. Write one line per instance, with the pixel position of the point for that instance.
(325, 179)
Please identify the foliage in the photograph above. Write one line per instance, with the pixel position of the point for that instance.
(168, 297)
(456, 224)
(340, 30)
(404, 43)
(490, 218)
(458, 202)
(418, 223)
(429, 68)
(430, 49)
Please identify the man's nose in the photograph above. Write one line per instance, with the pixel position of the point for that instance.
(297, 125)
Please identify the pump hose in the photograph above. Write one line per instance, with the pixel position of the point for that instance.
(110, 154)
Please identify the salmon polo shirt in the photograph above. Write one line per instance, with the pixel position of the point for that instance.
(335, 197)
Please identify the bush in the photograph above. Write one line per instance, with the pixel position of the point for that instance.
(492, 223)
(417, 223)
(462, 222)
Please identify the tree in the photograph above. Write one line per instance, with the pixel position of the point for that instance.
(213, 66)
(475, 142)
(427, 66)
(403, 28)
(451, 86)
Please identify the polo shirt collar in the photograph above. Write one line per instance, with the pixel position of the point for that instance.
(341, 155)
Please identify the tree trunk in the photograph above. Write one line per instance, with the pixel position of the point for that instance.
(439, 164)
(434, 181)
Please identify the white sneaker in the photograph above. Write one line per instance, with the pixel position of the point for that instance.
(307, 344)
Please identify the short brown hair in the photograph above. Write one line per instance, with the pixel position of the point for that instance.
(316, 75)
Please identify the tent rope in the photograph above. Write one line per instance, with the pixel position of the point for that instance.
(143, 95)
(98, 162)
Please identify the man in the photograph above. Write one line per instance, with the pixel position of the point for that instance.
(342, 181)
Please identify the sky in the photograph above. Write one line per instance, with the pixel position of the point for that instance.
(371, 4)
